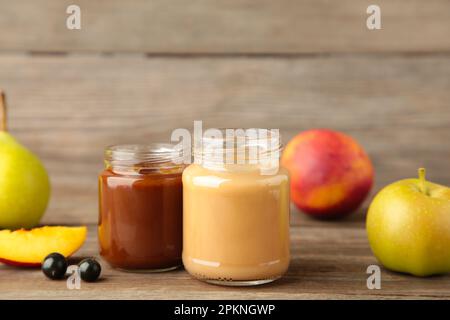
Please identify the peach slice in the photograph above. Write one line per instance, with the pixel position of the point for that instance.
(27, 248)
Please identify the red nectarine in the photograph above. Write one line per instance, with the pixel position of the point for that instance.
(330, 173)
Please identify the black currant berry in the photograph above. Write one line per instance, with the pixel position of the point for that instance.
(90, 269)
(54, 266)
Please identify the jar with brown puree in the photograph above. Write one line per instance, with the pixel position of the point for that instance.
(236, 213)
(140, 208)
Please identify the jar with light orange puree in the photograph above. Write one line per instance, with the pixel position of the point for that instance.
(236, 212)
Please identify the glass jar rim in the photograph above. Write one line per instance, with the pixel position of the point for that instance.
(153, 154)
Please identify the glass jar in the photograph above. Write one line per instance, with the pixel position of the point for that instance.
(140, 208)
(236, 213)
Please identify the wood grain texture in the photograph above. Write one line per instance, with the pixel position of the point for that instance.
(224, 26)
(68, 108)
(230, 63)
(329, 260)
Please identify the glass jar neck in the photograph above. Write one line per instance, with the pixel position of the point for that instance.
(246, 150)
(135, 159)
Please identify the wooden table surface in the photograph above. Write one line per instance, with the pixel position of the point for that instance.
(329, 261)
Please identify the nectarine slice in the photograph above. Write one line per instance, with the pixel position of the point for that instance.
(27, 248)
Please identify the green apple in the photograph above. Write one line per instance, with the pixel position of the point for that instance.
(408, 225)
(24, 183)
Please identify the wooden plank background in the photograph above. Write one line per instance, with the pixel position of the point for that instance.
(225, 26)
(67, 108)
(139, 69)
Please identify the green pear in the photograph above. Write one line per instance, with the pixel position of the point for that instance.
(408, 225)
(24, 183)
